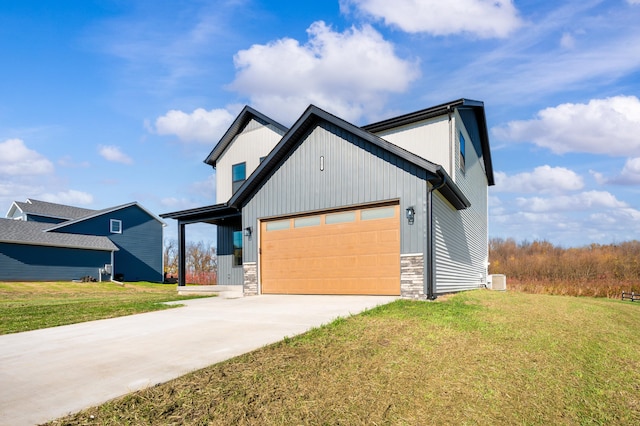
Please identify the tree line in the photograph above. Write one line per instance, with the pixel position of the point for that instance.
(201, 262)
(541, 267)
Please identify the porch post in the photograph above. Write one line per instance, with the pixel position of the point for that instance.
(182, 264)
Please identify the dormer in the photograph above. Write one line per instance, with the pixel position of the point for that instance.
(247, 142)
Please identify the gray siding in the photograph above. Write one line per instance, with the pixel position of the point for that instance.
(461, 236)
(227, 273)
(355, 172)
(140, 244)
(19, 262)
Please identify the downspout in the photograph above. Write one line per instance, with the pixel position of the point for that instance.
(429, 265)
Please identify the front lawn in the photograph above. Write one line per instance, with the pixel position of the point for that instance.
(32, 305)
(479, 357)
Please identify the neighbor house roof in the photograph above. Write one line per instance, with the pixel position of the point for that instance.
(472, 114)
(44, 208)
(96, 213)
(246, 115)
(309, 119)
(36, 233)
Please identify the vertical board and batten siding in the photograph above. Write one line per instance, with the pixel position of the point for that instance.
(22, 262)
(256, 140)
(428, 139)
(461, 245)
(227, 273)
(355, 172)
(139, 257)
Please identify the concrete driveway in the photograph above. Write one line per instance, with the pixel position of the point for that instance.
(46, 374)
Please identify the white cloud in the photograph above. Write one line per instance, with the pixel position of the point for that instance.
(200, 126)
(630, 174)
(543, 179)
(633, 1)
(70, 197)
(483, 18)
(347, 73)
(567, 41)
(578, 202)
(17, 159)
(603, 126)
(113, 153)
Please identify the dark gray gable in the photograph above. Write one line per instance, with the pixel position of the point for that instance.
(35, 233)
(311, 118)
(246, 115)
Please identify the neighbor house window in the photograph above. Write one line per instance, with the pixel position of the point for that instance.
(115, 226)
(238, 174)
(237, 247)
(462, 152)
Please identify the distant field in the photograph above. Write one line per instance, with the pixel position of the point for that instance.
(32, 305)
(476, 358)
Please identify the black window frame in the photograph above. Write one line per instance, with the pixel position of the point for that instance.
(237, 183)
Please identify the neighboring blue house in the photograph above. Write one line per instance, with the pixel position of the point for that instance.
(41, 241)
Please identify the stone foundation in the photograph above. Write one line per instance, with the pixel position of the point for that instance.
(250, 287)
(411, 276)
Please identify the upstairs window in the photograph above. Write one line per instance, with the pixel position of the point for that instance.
(462, 152)
(238, 176)
(115, 226)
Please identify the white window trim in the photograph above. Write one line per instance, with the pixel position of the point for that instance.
(113, 222)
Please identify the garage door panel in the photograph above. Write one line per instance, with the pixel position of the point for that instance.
(351, 257)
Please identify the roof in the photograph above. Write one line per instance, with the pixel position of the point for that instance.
(468, 109)
(220, 212)
(308, 120)
(53, 210)
(246, 115)
(35, 233)
(96, 213)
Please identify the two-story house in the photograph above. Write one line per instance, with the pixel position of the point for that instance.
(42, 241)
(397, 207)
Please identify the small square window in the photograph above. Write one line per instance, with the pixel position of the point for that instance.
(115, 226)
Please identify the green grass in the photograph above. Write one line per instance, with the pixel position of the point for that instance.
(28, 306)
(474, 358)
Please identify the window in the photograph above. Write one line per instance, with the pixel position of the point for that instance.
(333, 218)
(238, 175)
(115, 226)
(462, 152)
(378, 213)
(302, 222)
(278, 225)
(237, 247)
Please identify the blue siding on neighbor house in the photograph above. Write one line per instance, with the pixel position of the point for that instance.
(43, 219)
(21, 262)
(140, 244)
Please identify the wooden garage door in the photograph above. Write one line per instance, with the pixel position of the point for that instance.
(345, 252)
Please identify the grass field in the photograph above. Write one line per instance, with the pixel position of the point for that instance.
(32, 305)
(481, 357)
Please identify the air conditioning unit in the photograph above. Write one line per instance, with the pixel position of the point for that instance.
(498, 282)
(107, 268)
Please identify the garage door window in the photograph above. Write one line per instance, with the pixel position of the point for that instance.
(278, 225)
(303, 222)
(379, 213)
(344, 217)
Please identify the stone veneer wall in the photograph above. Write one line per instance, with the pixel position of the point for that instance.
(250, 287)
(411, 276)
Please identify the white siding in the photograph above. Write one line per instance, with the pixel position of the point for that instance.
(255, 141)
(428, 139)
(461, 246)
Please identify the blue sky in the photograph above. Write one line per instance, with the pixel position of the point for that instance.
(112, 101)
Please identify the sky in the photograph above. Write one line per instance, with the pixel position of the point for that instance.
(105, 102)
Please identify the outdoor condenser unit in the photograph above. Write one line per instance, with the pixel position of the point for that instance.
(498, 282)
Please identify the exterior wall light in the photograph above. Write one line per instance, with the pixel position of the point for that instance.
(248, 231)
(411, 214)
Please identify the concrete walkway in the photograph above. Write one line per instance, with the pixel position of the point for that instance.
(46, 374)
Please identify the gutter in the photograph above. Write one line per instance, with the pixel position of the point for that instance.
(429, 265)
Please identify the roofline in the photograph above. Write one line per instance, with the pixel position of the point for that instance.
(43, 244)
(216, 211)
(13, 204)
(308, 119)
(106, 211)
(236, 127)
(440, 110)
